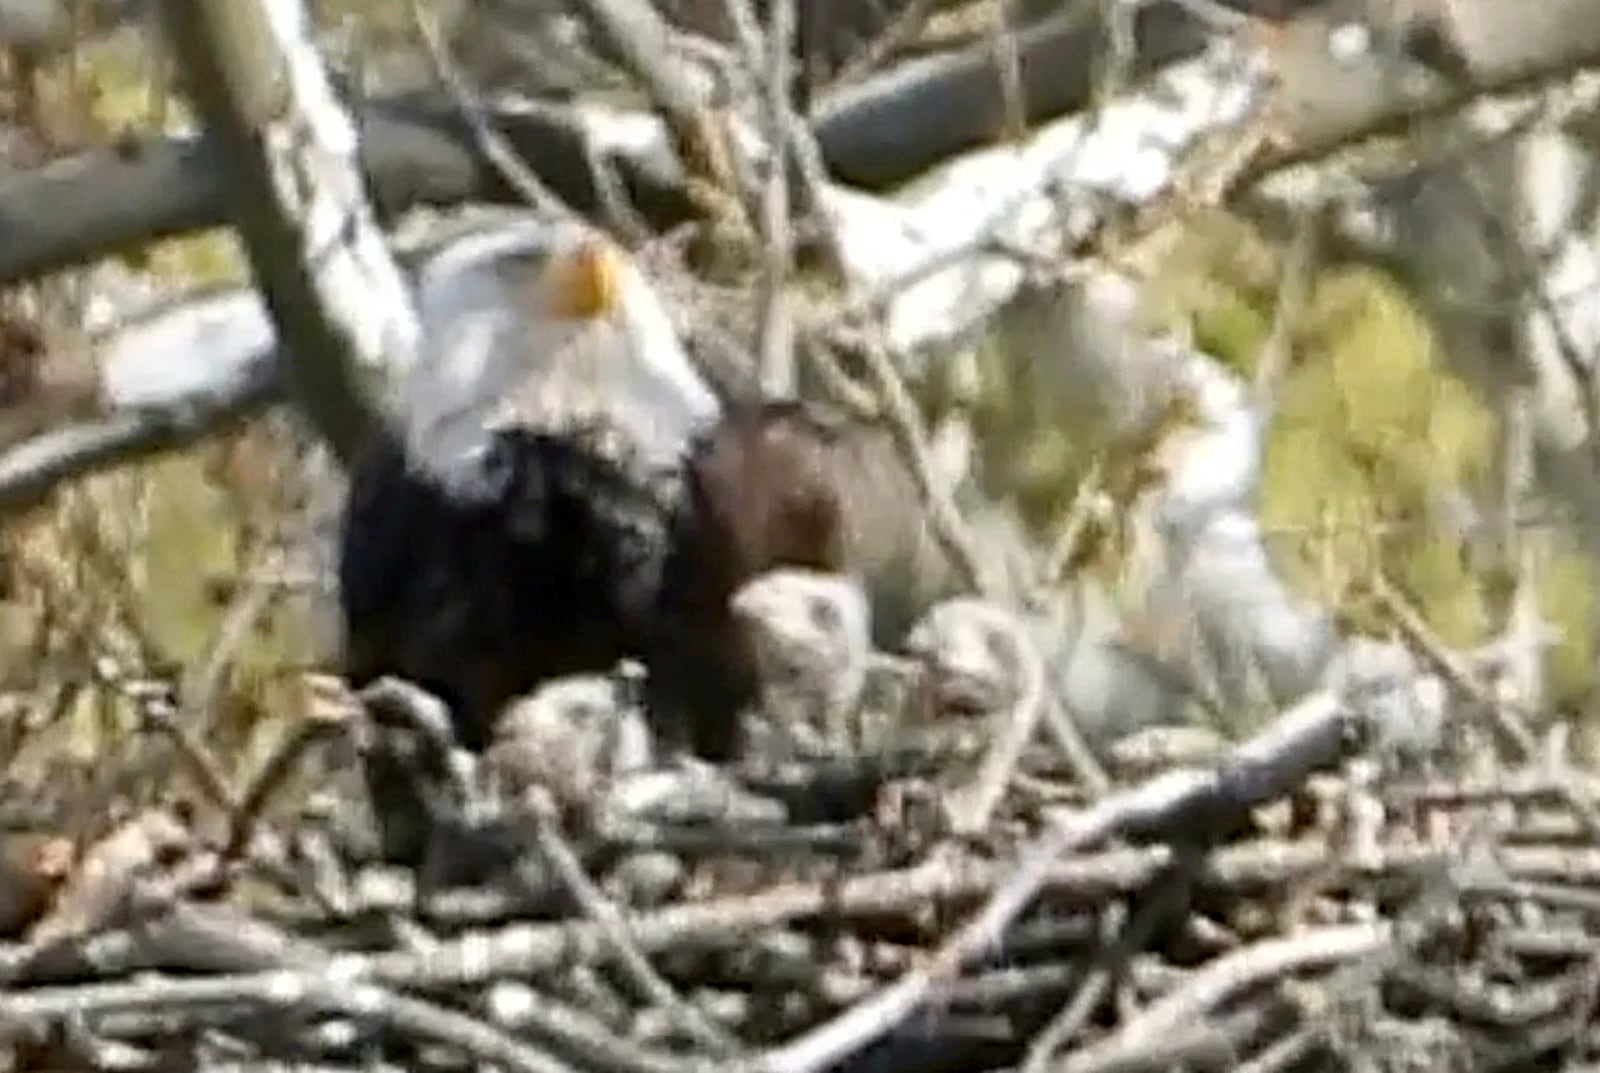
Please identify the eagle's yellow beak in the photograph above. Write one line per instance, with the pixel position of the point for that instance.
(584, 283)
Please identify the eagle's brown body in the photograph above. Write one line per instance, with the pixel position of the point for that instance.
(757, 493)
(560, 560)
(490, 544)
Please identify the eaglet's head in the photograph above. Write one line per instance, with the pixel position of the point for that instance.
(972, 653)
(805, 622)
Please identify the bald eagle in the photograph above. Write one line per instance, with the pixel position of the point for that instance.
(563, 490)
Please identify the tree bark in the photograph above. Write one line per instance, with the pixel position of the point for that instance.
(293, 189)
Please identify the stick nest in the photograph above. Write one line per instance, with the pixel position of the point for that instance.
(1295, 901)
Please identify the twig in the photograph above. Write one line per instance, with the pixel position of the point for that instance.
(1066, 556)
(1229, 974)
(1068, 552)
(1165, 898)
(899, 32)
(642, 38)
(790, 141)
(911, 439)
(279, 991)
(1213, 1043)
(244, 612)
(1115, 61)
(159, 713)
(790, 840)
(1008, 66)
(600, 909)
(1530, 272)
(777, 321)
(1309, 736)
(810, 179)
(1286, 1053)
(1508, 718)
(1520, 787)
(611, 194)
(1502, 1005)
(1036, 701)
(1300, 266)
(205, 937)
(270, 779)
(577, 1031)
(839, 385)
(491, 143)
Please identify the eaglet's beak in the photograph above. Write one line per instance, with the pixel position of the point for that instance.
(585, 281)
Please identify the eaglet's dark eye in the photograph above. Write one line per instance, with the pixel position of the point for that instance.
(823, 612)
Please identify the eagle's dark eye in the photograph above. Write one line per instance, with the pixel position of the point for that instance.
(497, 469)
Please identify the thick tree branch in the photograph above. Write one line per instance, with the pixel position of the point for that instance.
(880, 133)
(416, 150)
(295, 193)
(29, 472)
(888, 129)
(1325, 103)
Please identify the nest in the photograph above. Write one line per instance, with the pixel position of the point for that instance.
(1295, 901)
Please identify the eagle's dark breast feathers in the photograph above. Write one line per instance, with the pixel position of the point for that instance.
(545, 560)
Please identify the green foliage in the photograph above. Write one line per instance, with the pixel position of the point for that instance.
(1027, 450)
(1567, 597)
(1368, 432)
(1219, 281)
(189, 540)
(210, 258)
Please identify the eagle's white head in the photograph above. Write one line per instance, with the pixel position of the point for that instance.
(547, 325)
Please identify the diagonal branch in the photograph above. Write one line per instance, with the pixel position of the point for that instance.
(298, 198)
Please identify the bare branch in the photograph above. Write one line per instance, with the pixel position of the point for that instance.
(1150, 1031)
(492, 144)
(1310, 736)
(1325, 101)
(777, 322)
(279, 990)
(31, 470)
(601, 910)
